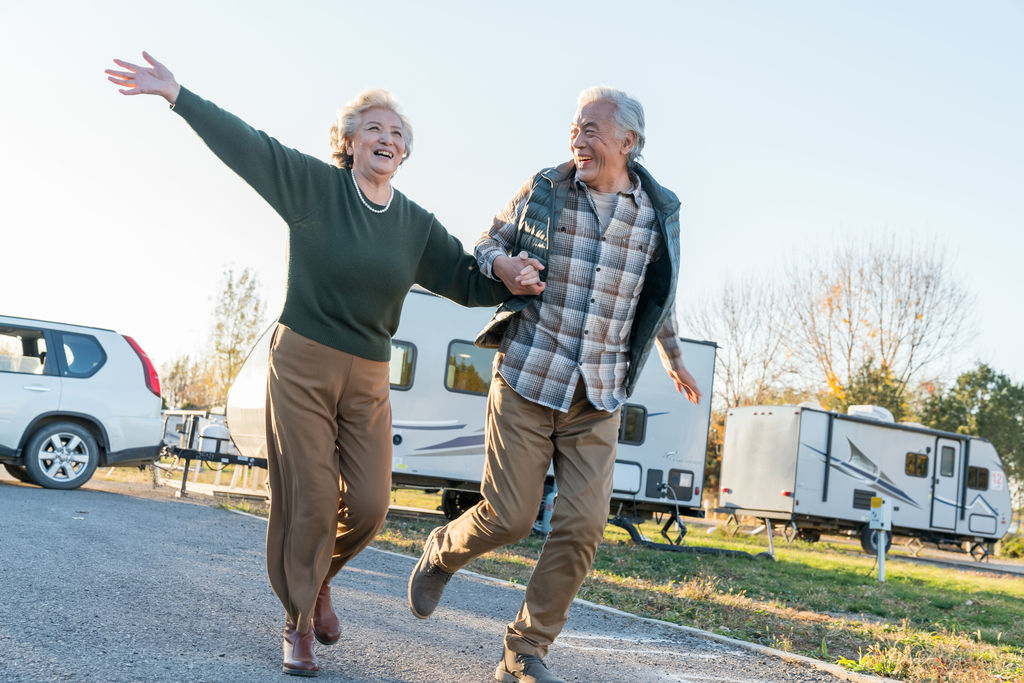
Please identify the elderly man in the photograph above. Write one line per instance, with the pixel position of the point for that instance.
(607, 236)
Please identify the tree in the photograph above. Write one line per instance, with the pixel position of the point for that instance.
(884, 300)
(713, 455)
(874, 385)
(188, 384)
(748, 319)
(985, 403)
(174, 381)
(238, 319)
(202, 381)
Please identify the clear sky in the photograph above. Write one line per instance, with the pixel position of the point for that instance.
(780, 125)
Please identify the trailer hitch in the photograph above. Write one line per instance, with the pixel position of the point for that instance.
(189, 435)
(638, 538)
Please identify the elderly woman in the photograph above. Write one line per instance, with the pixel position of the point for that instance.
(355, 247)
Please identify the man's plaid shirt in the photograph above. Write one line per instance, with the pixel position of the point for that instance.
(580, 325)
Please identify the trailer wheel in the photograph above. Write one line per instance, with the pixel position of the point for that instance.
(809, 535)
(18, 472)
(456, 503)
(868, 540)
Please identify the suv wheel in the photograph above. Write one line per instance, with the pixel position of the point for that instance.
(18, 472)
(61, 456)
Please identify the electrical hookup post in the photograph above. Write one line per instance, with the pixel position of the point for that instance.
(881, 522)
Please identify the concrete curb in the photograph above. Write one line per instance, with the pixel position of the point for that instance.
(248, 514)
(833, 669)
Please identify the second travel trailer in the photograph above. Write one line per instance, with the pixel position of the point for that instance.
(817, 471)
(439, 383)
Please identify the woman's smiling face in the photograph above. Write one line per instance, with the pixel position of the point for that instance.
(378, 145)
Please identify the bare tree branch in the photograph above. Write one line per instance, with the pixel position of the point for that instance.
(748, 319)
(884, 299)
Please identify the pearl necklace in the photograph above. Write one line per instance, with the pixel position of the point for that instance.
(363, 199)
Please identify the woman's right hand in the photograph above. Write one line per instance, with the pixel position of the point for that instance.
(139, 80)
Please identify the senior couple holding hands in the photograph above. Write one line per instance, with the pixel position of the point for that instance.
(582, 264)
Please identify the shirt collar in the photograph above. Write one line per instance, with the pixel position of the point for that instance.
(633, 191)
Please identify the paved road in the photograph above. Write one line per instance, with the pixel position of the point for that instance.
(104, 587)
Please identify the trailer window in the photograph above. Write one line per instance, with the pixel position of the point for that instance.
(948, 461)
(917, 465)
(977, 478)
(403, 359)
(469, 368)
(633, 424)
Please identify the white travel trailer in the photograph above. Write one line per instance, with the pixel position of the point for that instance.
(439, 383)
(818, 471)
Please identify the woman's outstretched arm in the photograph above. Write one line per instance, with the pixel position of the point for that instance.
(291, 182)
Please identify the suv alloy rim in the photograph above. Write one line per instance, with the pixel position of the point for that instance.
(63, 457)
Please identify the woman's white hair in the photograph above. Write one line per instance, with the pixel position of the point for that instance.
(629, 114)
(349, 116)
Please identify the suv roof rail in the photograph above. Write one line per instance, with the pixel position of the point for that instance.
(56, 322)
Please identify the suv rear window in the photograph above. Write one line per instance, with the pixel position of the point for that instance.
(23, 351)
(83, 355)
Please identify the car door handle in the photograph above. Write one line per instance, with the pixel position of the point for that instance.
(36, 387)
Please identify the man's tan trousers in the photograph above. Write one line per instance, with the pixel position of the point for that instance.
(523, 440)
(329, 455)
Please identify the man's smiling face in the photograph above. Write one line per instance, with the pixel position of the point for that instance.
(599, 155)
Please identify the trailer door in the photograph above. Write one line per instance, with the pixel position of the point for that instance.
(945, 484)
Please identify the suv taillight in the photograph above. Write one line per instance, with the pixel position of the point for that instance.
(152, 379)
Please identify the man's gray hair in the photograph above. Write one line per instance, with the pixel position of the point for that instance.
(629, 114)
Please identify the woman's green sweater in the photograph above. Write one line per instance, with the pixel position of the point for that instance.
(349, 269)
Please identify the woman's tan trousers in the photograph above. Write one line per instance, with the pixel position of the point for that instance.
(329, 456)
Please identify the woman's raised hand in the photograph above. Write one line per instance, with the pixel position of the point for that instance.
(139, 80)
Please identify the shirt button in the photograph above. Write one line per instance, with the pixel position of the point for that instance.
(592, 300)
(561, 229)
(586, 331)
(604, 239)
(599, 270)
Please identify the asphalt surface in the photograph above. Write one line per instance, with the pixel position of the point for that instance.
(98, 586)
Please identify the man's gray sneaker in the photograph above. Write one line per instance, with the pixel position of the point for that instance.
(515, 668)
(426, 585)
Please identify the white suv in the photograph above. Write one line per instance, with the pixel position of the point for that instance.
(73, 398)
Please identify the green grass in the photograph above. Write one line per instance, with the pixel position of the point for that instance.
(416, 499)
(258, 508)
(821, 600)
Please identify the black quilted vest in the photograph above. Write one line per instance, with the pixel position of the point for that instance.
(544, 207)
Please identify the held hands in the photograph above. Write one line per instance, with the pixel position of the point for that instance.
(139, 80)
(686, 383)
(521, 274)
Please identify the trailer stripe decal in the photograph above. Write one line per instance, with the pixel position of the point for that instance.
(858, 473)
(461, 442)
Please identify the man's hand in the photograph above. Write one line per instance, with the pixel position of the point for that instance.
(686, 383)
(521, 274)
